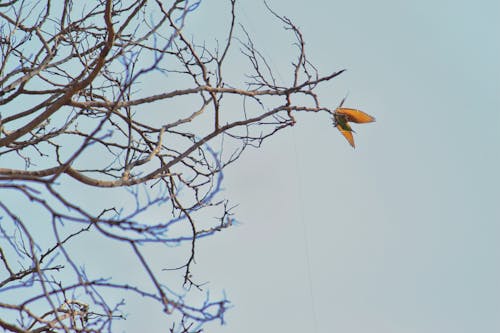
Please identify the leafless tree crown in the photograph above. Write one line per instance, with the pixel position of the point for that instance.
(115, 125)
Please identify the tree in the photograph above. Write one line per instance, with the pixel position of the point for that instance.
(115, 128)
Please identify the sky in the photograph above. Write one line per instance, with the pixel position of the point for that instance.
(397, 235)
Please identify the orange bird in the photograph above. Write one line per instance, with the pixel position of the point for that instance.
(342, 117)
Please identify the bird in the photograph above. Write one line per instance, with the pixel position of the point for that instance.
(342, 116)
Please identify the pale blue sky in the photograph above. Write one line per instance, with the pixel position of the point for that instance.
(400, 234)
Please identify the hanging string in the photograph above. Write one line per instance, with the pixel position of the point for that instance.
(305, 233)
(299, 194)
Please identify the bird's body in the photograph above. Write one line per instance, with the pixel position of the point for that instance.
(342, 117)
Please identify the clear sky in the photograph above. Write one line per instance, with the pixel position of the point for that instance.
(400, 234)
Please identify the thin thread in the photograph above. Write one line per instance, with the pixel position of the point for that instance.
(305, 233)
(299, 195)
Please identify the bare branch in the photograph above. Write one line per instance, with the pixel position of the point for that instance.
(112, 110)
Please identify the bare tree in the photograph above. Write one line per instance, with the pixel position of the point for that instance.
(115, 125)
